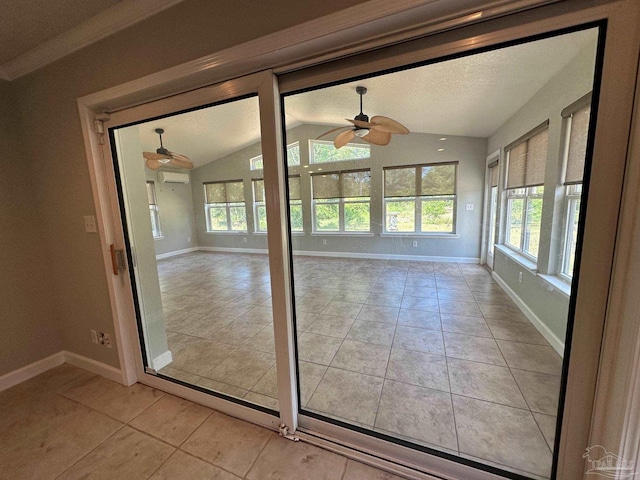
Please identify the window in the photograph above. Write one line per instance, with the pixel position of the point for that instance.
(153, 210)
(321, 151)
(341, 201)
(293, 157)
(225, 206)
(577, 117)
(494, 175)
(527, 158)
(420, 198)
(295, 204)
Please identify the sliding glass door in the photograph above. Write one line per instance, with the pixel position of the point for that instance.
(401, 335)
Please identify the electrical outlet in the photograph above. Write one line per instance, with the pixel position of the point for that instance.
(520, 277)
(244, 239)
(90, 224)
(324, 241)
(415, 243)
(470, 206)
(94, 336)
(107, 340)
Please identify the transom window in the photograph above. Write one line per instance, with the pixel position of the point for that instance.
(342, 201)
(153, 210)
(225, 206)
(526, 159)
(420, 198)
(295, 204)
(293, 157)
(321, 151)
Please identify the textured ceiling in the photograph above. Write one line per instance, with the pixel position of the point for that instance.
(25, 24)
(469, 96)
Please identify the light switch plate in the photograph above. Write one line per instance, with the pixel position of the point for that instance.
(469, 206)
(90, 224)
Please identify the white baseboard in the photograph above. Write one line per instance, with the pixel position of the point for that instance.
(27, 372)
(263, 251)
(371, 256)
(162, 360)
(93, 366)
(176, 252)
(545, 331)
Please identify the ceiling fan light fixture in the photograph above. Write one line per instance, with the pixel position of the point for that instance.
(361, 132)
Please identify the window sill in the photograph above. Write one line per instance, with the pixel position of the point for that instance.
(421, 235)
(225, 232)
(299, 234)
(557, 283)
(520, 259)
(341, 234)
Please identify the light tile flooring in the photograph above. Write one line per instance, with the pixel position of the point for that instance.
(433, 353)
(68, 424)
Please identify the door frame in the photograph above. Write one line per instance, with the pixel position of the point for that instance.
(486, 210)
(501, 22)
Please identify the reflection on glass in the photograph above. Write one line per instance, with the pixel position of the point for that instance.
(398, 331)
(205, 310)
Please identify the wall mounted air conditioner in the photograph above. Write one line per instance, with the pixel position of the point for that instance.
(173, 177)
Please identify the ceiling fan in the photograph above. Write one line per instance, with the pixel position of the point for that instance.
(377, 131)
(162, 156)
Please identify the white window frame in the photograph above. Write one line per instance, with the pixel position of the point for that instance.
(573, 196)
(341, 202)
(348, 145)
(418, 199)
(257, 205)
(154, 213)
(227, 206)
(526, 194)
(258, 158)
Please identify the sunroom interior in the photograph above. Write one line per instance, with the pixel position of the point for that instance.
(431, 275)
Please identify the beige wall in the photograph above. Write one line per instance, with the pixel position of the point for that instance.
(50, 141)
(28, 315)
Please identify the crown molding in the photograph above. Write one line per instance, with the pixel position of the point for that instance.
(120, 16)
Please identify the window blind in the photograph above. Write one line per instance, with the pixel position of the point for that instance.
(341, 184)
(294, 189)
(494, 175)
(224, 192)
(438, 180)
(527, 160)
(400, 182)
(151, 193)
(577, 145)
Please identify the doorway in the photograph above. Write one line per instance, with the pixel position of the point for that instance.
(389, 272)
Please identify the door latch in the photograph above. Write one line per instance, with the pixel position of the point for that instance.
(118, 261)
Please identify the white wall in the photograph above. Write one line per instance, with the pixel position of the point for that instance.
(569, 85)
(409, 149)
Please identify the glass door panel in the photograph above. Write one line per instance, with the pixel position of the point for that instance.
(400, 333)
(197, 235)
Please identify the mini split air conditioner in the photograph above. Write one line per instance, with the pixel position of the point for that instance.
(173, 177)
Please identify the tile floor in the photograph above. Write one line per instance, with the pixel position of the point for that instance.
(433, 353)
(68, 424)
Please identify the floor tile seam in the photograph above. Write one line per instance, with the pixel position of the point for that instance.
(98, 411)
(384, 379)
(209, 462)
(535, 344)
(503, 466)
(542, 433)
(155, 437)
(249, 390)
(271, 438)
(162, 464)
(106, 439)
(477, 361)
(525, 397)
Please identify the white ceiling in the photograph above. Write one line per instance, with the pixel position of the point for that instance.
(470, 96)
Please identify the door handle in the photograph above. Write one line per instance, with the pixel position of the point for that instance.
(118, 262)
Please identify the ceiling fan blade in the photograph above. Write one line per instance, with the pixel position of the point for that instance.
(332, 130)
(377, 137)
(360, 123)
(181, 161)
(342, 139)
(388, 125)
(154, 156)
(152, 164)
